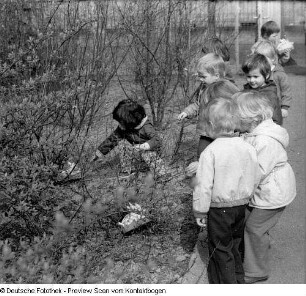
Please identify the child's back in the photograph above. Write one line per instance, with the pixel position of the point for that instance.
(226, 177)
(275, 190)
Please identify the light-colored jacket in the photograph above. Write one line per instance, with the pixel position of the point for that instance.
(227, 175)
(277, 187)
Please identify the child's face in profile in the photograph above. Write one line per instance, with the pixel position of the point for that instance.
(208, 78)
(275, 37)
(255, 79)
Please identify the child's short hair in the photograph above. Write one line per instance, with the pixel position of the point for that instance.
(257, 61)
(266, 48)
(252, 108)
(220, 118)
(129, 113)
(220, 89)
(215, 45)
(213, 64)
(269, 28)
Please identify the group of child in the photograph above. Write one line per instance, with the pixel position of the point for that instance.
(243, 178)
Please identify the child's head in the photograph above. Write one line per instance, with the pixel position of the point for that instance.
(220, 89)
(211, 68)
(257, 70)
(215, 45)
(129, 114)
(252, 108)
(270, 31)
(220, 118)
(267, 49)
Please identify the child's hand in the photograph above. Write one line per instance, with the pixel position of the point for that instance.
(192, 169)
(284, 113)
(286, 54)
(98, 156)
(202, 222)
(144, 146)
(182, 116)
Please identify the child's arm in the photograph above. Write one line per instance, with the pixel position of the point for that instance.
(154, 141)
(111, 142)
(190, 111)
(203, 189)
(267, 160)
(285, 91)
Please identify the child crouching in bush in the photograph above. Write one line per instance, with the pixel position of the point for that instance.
(134, 127)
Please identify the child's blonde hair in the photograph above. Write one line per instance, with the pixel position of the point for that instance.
(213, 64)
(220, 118)
(220, 89)
(266, 48)
(252, 108)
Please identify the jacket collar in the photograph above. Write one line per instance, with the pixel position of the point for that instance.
(139, 126)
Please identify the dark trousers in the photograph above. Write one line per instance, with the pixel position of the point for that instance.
(225, 234)
(203, 143)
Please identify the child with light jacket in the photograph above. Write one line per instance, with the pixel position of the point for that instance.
(222, 88)
(277, 187)
(226, 178)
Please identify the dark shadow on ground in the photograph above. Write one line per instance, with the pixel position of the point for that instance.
(189, 229)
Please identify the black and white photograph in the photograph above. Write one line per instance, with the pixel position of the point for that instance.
(150, 144)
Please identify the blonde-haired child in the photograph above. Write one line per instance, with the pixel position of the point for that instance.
(222, 88)
(278, 75)
(226, 179)
(277, 187)
(210, 68)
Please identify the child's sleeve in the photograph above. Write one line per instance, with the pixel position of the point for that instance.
(154, 139)
(267, 160)
(274, 99)
(285, 91)
(111, 142)
(192, 109)
(202, 192)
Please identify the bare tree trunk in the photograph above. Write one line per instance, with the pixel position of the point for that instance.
(211, 28)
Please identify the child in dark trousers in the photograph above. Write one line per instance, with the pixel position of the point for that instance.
(226, 178)
(258, 74)
(134, 127)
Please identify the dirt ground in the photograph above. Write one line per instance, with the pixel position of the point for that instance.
(288, 237)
